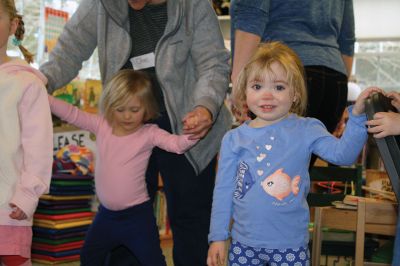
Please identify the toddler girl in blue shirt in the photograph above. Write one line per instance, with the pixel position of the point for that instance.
(263, 180)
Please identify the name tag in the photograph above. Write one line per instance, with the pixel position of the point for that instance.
(143, 61)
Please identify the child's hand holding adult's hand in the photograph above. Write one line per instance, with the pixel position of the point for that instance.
(197, 122)
(17, 213)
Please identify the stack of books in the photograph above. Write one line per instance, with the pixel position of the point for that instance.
(64, 215)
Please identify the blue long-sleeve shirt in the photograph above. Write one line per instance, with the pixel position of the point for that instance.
(319, 31)
(263, 180)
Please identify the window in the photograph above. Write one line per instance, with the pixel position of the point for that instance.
(35, 27)
(378, 63)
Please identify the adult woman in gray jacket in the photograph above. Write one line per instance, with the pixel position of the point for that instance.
(179, 44)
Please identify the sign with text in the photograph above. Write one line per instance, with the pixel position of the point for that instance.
(75, 137)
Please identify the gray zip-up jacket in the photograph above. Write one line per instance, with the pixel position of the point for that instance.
(192, 64)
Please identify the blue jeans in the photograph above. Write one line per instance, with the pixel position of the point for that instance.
(133, 228)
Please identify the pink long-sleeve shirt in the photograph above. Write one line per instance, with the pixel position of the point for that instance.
(121, 161)
(26, 141)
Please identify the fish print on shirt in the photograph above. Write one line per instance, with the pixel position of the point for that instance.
(244, 181)
(280, 185)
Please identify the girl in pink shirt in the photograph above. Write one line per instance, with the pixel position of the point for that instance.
(124, 142)
(26, 142)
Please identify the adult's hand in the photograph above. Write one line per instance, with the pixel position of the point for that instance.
(384, 124)
(197, 123)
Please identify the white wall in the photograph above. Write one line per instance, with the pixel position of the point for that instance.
(377, 19)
